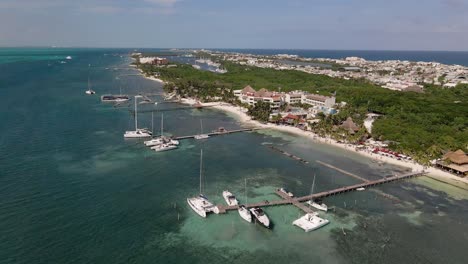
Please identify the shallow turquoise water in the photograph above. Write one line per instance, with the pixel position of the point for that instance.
(74, 191)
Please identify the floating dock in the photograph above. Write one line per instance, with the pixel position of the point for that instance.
(219, 133)
(298, 201)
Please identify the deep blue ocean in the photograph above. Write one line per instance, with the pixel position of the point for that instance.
(72, 190)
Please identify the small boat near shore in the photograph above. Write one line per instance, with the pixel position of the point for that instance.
(201, 135)
(360, 189)
(310, 222)
(260, 216)
(230, 199)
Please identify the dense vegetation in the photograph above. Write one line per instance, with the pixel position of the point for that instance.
(423, 125)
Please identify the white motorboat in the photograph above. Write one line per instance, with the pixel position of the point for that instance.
(310, 222)
(288, 193)
(138, 132)
(201, 135)
(245, 213)
(361, 189)
(154, 142)
(163, 147)
(68, 57)
(230, 199)
(200, 204)
(318, 204)
(261, 217)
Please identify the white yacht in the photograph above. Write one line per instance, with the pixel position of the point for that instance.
(138, 132)
(288, 193)
(68, 57)
(310, 222)
(200, 204)
(161, 139)
(164, 147)
(261, 217)
(318, 204)
(230, 199)
(201, 135)
(245, 213)
(360, 189)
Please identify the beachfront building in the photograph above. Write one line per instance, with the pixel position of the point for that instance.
(249, 96)
(455, 162)
(154, 60)
(319, 100)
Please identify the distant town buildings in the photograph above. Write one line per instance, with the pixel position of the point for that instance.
(153, 60)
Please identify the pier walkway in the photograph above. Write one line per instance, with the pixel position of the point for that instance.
(298, 201)
(219, 133)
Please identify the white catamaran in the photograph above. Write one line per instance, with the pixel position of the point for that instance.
(138, 132)
(200, 204)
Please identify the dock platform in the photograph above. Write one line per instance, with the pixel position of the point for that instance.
(299, 200)
(219, 133)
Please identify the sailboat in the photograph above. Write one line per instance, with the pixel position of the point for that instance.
(161, 139)
(201, 135)
(243, 211)
(200, 204)
(138, 132)
(317, 203)
(89, 91)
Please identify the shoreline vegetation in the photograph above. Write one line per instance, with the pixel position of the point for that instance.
(210, 89)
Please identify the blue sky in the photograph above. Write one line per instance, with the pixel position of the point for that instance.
(312, 24)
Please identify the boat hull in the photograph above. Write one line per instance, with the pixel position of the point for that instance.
(200, 211)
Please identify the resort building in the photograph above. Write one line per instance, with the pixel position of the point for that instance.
(153, 60)
(318, 100)
(249, 96)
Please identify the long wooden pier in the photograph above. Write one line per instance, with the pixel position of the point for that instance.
(219, 133)
(298, 201)
(342, 171)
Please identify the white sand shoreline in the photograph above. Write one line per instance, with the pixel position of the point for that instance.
(244, 119)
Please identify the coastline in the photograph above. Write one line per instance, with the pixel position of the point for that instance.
(246, 120)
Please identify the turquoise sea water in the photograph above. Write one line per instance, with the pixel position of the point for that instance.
(72, 190)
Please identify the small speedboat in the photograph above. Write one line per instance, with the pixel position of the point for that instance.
(361, 189)
(318, 204)
(68, 57)
(245, 213)
(230, 198)
(201, 136)
(260, 216)
(89, 92)
(288, 193)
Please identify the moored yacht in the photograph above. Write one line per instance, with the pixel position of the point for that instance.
(288, 193)
(318, 204)
(138, 132)
(260, 216)
(230, 198)
(245, 213)
(201, 135)
(163, 147)
(89, 91)
(200, 204)
(310, 222)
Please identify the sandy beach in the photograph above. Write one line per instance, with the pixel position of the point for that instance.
(241, 115)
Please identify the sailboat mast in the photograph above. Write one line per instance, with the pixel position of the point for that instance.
(152, 123)
(201, 169)
(162, 123)
(245, 189)
(313, 185)
(136, 114)
(201, 127)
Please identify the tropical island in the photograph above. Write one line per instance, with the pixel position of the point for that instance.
(424, 124)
